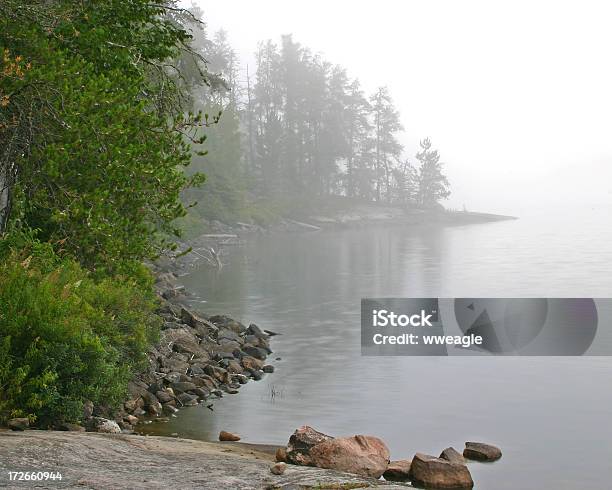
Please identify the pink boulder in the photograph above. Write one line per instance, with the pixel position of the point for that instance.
(361, 455)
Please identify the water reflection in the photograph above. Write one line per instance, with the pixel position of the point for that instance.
(547, 414)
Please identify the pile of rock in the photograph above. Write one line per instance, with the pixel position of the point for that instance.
(197, 358)
(369, 456)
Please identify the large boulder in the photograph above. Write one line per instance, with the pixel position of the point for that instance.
(300, 444)
(361, 455)
(19, 423)
(431, 472)
(398, 470)
(479, 451)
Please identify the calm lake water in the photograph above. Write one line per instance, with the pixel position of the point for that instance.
(551, 416)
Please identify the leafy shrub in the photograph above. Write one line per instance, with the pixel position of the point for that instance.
(65, 336)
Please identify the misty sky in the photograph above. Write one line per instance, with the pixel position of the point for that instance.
(517, 96)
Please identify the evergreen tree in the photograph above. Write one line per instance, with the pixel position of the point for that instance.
(359, 142)
(387, 148)
(432, 183)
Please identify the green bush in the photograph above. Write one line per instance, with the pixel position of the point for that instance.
(66, 337)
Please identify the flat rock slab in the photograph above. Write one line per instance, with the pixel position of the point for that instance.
(110, 461)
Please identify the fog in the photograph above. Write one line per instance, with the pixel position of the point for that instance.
(516, 96)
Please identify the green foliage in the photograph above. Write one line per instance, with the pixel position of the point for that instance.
(97, 116)
(223, 196)
(65, 337)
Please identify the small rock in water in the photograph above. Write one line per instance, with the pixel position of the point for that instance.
(278, 468)
(228, 436)
(20, 423)
(431, 472)
(452, 455)
(479, 451)
(268, 368)
(398, 470)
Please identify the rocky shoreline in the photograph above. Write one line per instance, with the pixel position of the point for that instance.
(110, 461)
(197, 360)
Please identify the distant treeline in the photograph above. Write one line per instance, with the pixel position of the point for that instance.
(297, 127)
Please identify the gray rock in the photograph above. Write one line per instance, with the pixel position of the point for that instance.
(227, 334)
(480, 451)
(187, 400)
(256, 352)
(201, 393)
(268, 368)
(170, 462)
(164, 396)
(106, 426)
(227, 322)
(174, 364)
(203, 327)
(182, 386)
(169, 408)
(196, 370)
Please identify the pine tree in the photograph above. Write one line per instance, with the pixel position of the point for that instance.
(387, 148)
(432, 183)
